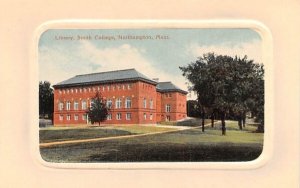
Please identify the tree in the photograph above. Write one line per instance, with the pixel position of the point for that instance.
(46, 99)
(98, 110)
(225, 85)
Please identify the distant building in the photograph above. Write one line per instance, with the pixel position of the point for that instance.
(132, 98)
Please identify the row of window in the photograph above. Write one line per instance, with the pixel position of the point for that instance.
(109, 104)
(98, 88)
(109, 117)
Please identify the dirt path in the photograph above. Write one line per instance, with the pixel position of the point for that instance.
(51, 144)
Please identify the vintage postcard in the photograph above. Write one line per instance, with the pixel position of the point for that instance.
(151, 94)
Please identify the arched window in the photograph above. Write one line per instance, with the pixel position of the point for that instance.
(118, 103)
(151, 104)
(128, 103)
(145, 103)
(109, 103)
(75, 105)
(83, 105)
(68, 105)
(60, 106)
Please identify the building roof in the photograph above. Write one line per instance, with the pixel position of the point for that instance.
(168, 87)
(105, 77)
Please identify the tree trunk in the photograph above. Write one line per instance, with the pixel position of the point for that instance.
(223, 123)
(244, 120)
(240, 123)
(203, 119)
(212, 120)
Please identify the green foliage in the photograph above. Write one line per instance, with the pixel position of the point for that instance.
(98, 110)
(227, 85)
(46, 99)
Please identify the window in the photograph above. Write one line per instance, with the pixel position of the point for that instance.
(151, 104)
(76, 90)
(145, 103)
(128, 103)
(103, 88)
(84, 117)
(89, 89)
(61, 117)
(118, 103)
(68, 117)
(75, 105)
(108, 88)
(168, 118)
(76, 117)
(145, 116)
(128, 116)
(119, 117)
(80, 90)
(83, 105)
(109, 117)
(60, 106)
(123, 86)
(72, 90)
(119, 87)
(98, 88)
(91, 103)
(168, 108)
(68, 105)
(129, 86)
(109, 103)
(151, 117)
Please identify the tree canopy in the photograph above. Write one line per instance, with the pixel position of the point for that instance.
(46, 99)
(227, 85)
(98, 110)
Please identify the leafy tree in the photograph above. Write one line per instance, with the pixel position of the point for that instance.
(46, 99)
(225, 85)
(98, 110)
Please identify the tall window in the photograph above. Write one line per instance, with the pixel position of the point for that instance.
(151, 104)
(118, 103)
(68, 105)
(128, 103)
(128, 116)
(60, 106)
(83, 116)
(76, 117)
(119, 117)
(75, 105)
(145, 116)
(145, 103)
(168, 108)
(61, 117)
(151, 117)
(109, 103)
(68, 117)
(83, 105)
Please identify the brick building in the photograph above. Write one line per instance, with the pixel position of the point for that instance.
(132, 98)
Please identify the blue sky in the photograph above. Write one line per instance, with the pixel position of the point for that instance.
(156, 58)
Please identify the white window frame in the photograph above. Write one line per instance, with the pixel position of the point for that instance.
(68, 105)
(83, 105)
(76, 117)
(128, 116)
(118, 116)
(151, 103)
(151, 117)
(109, 103)
(145, 116)
(76, 105)
(145, 103)
(118, 103)
(128, 102)
(168, 108)
(84, 116)
(68, 117)
(61, 117)
(60, 106)
(109, 117)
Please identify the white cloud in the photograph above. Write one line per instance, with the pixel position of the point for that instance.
(252, 49)
(58, 64)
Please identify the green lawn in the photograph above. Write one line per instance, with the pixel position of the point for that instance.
(54, 134)
(185, 145)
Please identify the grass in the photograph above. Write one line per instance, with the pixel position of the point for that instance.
(54, 134)
(185, 145)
